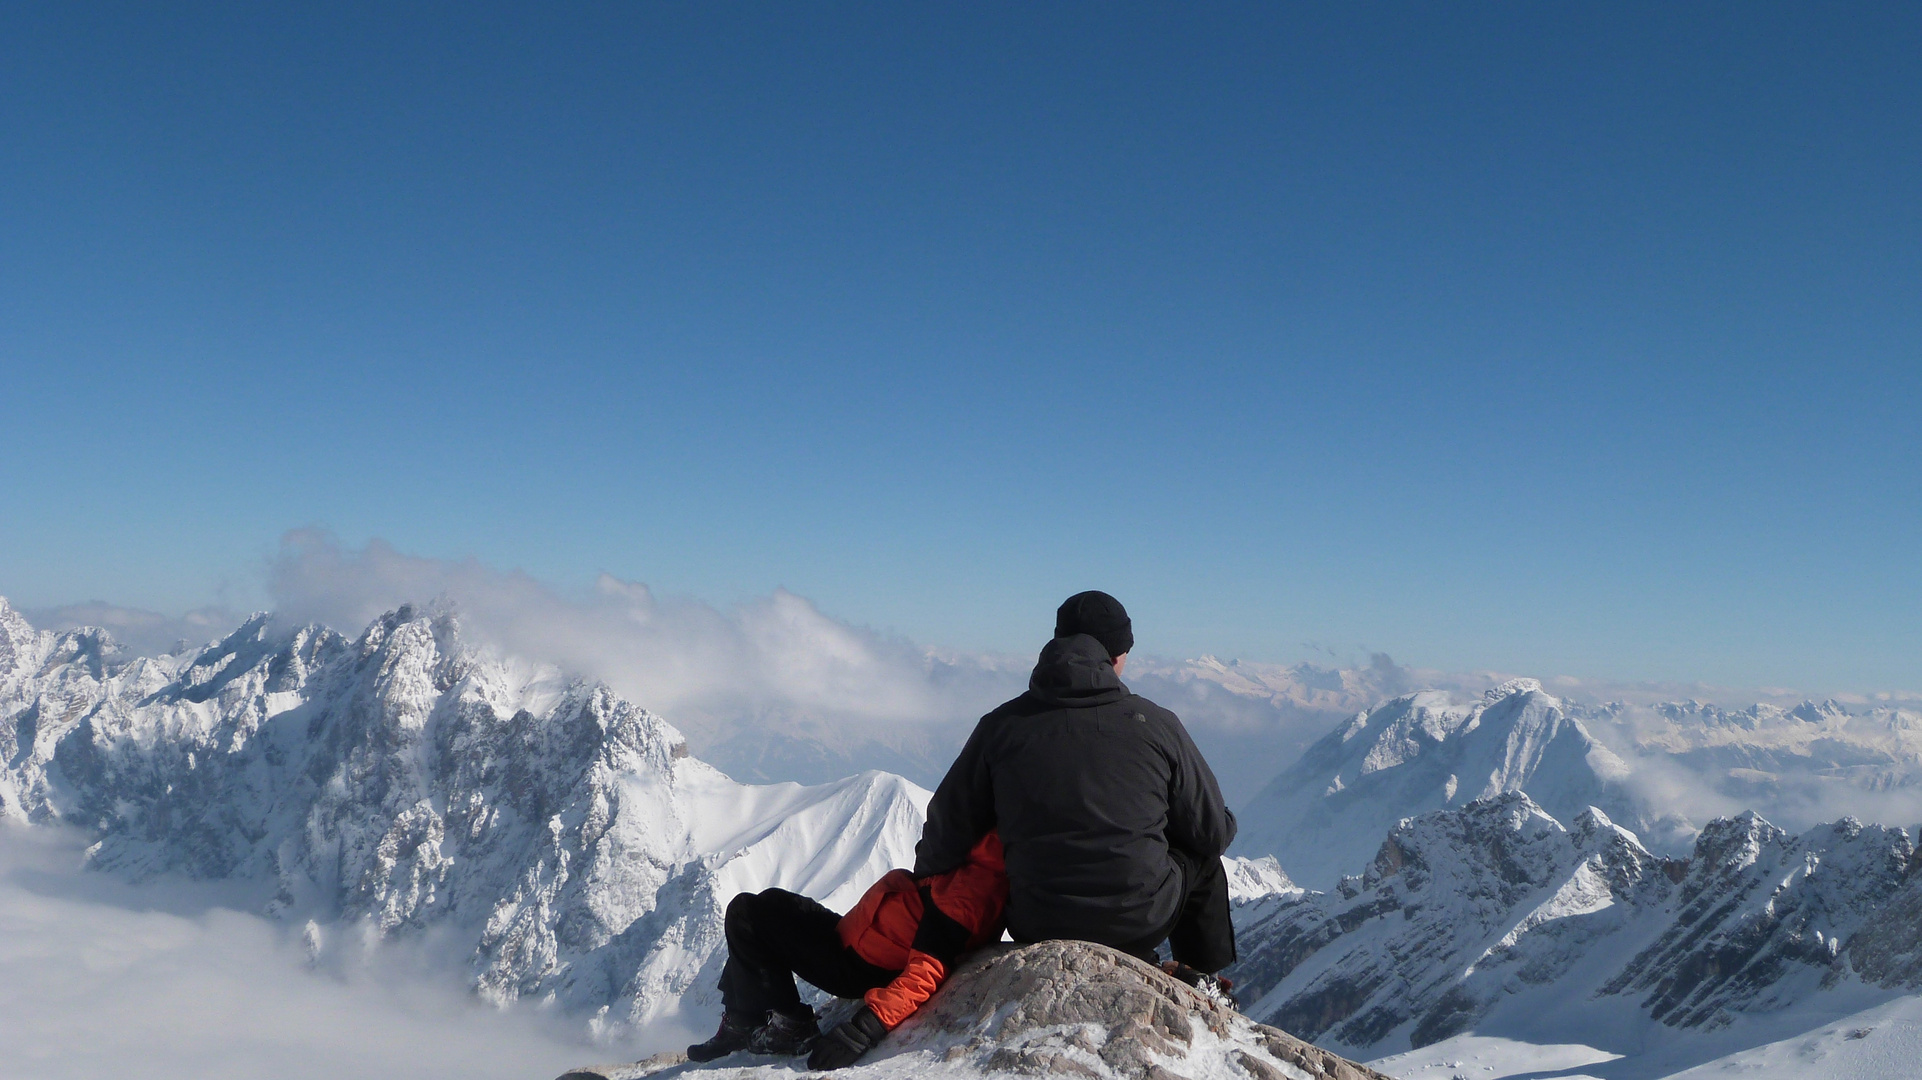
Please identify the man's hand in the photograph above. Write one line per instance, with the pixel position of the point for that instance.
(844, 1043)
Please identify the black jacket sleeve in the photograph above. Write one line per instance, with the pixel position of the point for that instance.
(1199, 822)
(962, 810)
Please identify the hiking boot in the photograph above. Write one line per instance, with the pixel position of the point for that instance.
(1213, 987)
(734, 1035)
(783, 1035)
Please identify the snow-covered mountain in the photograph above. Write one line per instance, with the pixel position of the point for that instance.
(402, 785)
(1497, 918)
(1423, 751)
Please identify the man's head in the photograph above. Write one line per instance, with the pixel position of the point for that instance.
(1099, 616)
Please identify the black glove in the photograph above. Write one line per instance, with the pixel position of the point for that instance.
(844, 1043)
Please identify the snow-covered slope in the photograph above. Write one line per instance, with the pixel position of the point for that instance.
(1880, 1043)
(402, 785)
(1254, 880)
(1498, 919)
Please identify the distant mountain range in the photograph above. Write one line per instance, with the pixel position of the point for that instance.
(1548, 869)
(1662, 771)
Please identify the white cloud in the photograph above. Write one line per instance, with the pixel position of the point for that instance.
(100, 979)
(1795, 774)
(777, 657)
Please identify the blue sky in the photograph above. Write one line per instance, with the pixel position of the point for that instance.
(1513, 336)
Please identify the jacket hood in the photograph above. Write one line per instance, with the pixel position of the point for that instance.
(1076, 671)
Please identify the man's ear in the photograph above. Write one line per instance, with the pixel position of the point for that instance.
(1120, 662)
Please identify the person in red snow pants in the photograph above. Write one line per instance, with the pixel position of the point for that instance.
(892, 951)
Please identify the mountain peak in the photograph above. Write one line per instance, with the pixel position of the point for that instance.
(1422, 752)
(1513, 687)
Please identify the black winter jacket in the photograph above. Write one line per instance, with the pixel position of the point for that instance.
(1089, 785)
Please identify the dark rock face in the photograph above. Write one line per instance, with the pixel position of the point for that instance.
(1888, 950)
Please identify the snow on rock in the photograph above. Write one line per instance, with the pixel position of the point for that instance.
(1062, 1008)
(1762, 917)
(404, 784)
(1878, 746)
(1797, 766)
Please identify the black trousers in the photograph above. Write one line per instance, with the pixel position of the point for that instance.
(773, 936)
(1201, 936)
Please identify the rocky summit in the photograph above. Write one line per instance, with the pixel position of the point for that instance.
(1058, 1008)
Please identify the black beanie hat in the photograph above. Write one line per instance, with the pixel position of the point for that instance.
(1098, 615)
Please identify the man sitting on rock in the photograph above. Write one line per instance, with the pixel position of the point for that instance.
(1113, 824)
(896, 946)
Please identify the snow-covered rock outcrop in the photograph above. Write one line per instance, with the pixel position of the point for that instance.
(1059, 1008)
(402, 784)
(1496, 912)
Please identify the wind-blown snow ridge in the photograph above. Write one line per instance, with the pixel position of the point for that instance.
(404, 783)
